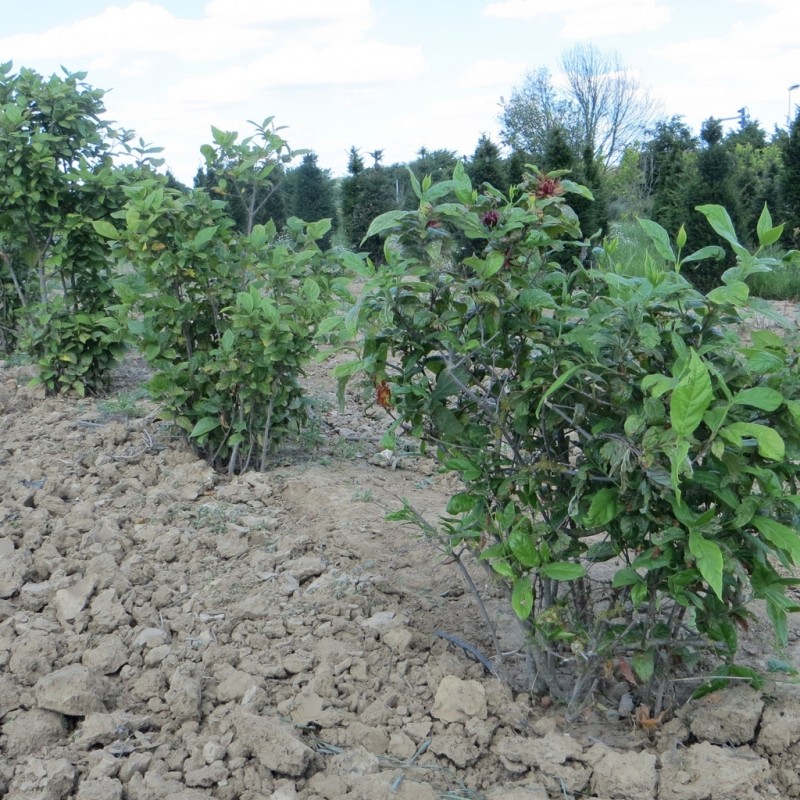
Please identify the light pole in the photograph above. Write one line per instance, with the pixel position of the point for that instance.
(789, 112)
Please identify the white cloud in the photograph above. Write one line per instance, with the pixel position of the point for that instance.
(727, 69)
(300, 64)
(491, 72)
(278, 11)
(585, 19)
(139, 31)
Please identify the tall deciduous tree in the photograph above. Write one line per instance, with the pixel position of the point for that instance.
(613, 107)
(531, 113)
(604, 106)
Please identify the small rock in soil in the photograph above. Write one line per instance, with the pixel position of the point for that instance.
(74, 690)
(458, 700)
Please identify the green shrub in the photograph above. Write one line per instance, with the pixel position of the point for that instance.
(630, 466)
(56, 179)
(227, 320)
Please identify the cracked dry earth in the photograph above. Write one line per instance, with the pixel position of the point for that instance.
(166, 632)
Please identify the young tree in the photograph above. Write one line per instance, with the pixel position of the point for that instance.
(583, 169)
(247, 173)
(439, 164)
(669, 172)
(57, 181)
(515, 167)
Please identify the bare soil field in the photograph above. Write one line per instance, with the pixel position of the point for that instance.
(167, 632)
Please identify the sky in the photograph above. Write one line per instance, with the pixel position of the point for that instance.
(393, 75)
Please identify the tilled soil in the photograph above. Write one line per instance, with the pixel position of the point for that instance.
(166, 632)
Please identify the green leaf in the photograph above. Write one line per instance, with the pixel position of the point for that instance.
(603, 509)
(415, 187)
(522, 597)
(204, 426)
(246, 301)
(521, 547)
(461, 503)
(105, 228)
(311, 289)
(562, 571)
(735, 293)
(769, 442)
(258, 236)
(709, 560)
(627, 576)
(643, 665)
(720, 221)
(721, 679)
(680, 238)
(205, 235)
(691, 397)
(228, 338)
(794, 410)
(761, 397)
(316, 230)
(711, 251)
(577, 188)
(492, 265)
(780, 535)
(503, 568)
(659, 237)
(556, 385)
(767, 235)
(534, 298)
(384, 222)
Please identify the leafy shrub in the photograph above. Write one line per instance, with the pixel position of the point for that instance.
(629, 463)
(227, 320)
(57, 178)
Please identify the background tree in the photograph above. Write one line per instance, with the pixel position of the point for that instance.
(669, 172)
(439, 164)
(365, 193)
(583, 168)
(486, 165)
(515, 166)
(791, 181)
(612, 106)
(310, 193)
(603, 107)
(531, 113)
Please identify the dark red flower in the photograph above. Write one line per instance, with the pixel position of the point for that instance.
(548, 187)
(490, 218)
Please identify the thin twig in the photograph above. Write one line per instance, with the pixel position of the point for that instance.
(481, 605)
